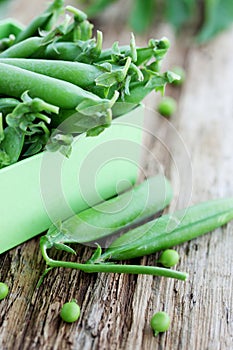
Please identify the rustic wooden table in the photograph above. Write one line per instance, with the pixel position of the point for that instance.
(194, 149)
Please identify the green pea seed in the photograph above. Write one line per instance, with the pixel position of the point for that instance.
(169, 258)
(167, 106)
(160, 322)
(70, 312)
(3, 290)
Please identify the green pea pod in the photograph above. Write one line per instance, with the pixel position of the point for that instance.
(143, 201)
(23, 49)
(15, 81)
(81, 74)
(81, 51)
(171, 230)
(65, 51)
(103, 219)
(43, 21)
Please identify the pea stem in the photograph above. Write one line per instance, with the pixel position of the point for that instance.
(80, 16)
(112, 268)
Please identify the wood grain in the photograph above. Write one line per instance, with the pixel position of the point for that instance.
(194, 149)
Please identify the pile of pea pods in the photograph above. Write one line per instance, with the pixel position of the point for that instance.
(55, 68)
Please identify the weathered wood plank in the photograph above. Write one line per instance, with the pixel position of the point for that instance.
(116, 309)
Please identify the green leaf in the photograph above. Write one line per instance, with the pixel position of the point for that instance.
(218, 15)
(34, 148)
(178, 12)
(116, 76)
(141, 15)
(107, 79)
(11, 146)
(97, 7)
(60, 142)
(106, 66)
(171, 76)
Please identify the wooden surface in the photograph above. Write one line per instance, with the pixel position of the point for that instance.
(194, 149)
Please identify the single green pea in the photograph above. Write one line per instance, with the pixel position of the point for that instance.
(169, 258)
(181, 72)
(70, 311)
(167, 106)
(160, 322)
(3, 290)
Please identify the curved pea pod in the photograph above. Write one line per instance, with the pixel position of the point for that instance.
(141, 202)
(171, 230)
(91, 224)
(43, 21)
(22, 49)
(81, 51)
(15, 81)
(66, 51)
(78, 73)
